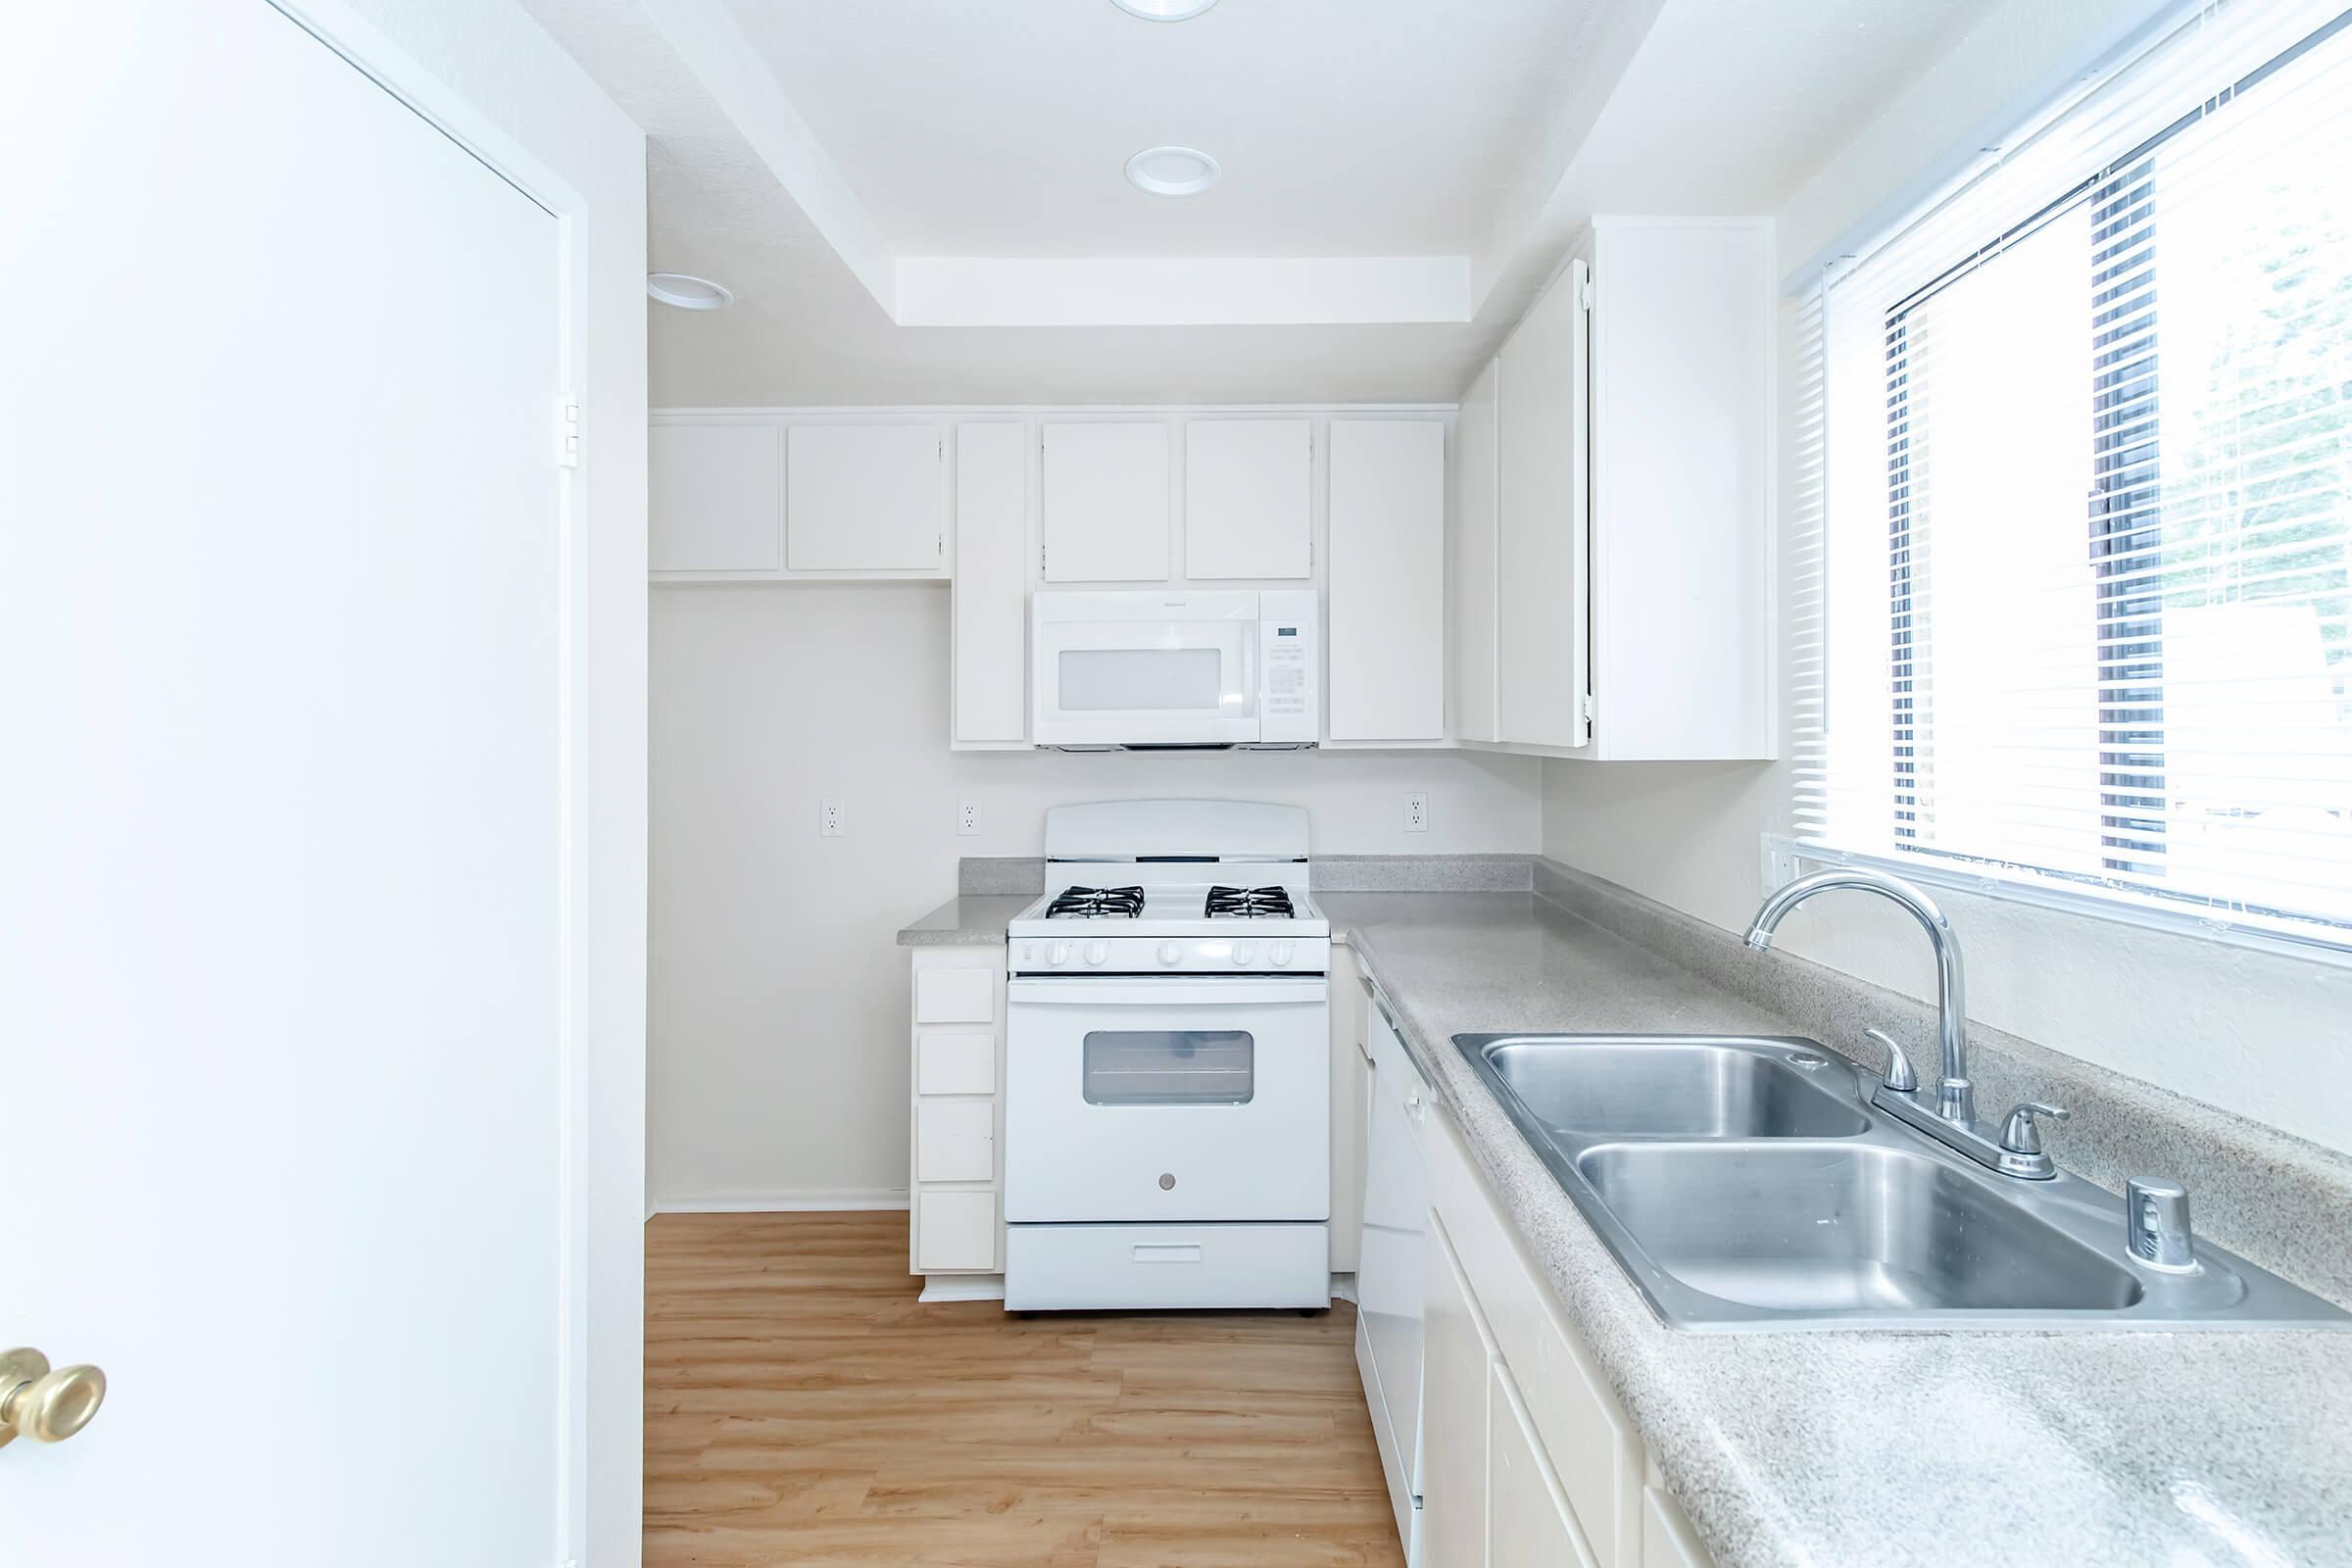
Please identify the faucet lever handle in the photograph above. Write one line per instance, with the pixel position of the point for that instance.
(2021, 1134)
(1901, 1076)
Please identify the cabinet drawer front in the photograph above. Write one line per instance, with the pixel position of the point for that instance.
(1667, 1538)
(1591, 1443)
(1100, 1267)
(954, 996)
(1528, 1518)
(955, 1061)
(955, 1141)
(954, 1231)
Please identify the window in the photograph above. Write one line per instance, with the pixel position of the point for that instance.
(2081, 482)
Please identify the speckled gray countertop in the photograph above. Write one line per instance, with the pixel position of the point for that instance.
(973, 920)
(1869, 1449)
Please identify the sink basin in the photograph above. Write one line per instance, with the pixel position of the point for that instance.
(1636, 1086)
(1845, 1228)
(1746, 1183)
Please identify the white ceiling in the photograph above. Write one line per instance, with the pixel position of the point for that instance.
(810, 178)
(1345, 128)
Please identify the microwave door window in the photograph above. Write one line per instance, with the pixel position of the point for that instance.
(1102, 680)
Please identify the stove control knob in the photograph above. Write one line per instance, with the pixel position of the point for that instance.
(1059, 954)
(1096, 952)
(1170, 953)
(1244, 951)
(1279, 955)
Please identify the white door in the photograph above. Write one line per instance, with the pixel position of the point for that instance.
(1249, 499)
(1106, 502)
(1388, 580)
(280, 828)
(1543, 590)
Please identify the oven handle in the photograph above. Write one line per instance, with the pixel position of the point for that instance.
(1205, 993)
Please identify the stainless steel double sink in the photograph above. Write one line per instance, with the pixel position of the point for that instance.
(1748, 1183)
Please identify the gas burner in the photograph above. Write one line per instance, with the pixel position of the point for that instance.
(1096, 904)
(1250, 904)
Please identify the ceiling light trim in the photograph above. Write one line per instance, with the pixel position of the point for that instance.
(688, 292)
(1164, 10)
(1142, 176)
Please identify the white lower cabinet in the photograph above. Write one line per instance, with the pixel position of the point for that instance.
(957, 1119)
(1529, 1519)
(1456, 1360)
(1526, 1460)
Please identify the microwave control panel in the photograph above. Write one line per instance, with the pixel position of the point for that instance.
(1289, 708)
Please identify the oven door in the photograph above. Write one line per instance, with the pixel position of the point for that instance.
(1145, 669)
(1167, 1099)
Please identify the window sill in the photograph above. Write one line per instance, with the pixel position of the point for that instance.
(1786, 859)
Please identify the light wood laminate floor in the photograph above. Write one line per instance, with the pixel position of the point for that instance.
(802, 1407)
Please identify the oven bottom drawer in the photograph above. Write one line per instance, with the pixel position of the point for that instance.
(1087, 1267)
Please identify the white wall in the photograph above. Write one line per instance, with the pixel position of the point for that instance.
(779, 1001)
(499, 61)
(2265, 1036)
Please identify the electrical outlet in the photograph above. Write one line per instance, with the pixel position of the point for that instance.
(1417, 813)
(967, 817)
(1779, 863)
(828, 818)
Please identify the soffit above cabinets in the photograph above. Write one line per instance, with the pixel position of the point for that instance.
(923, 201)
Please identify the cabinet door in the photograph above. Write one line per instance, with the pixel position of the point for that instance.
(1471, 584)
(863, 497)
(716, 497)
(1387, 622)
(1106, 502)
(1248, 498)
(1456, 1360)
(991, 590)
(955, 1232)
(1527, 1516)
(955, 1141)
(1543, 566)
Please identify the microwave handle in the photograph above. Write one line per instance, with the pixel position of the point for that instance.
(1249, 692)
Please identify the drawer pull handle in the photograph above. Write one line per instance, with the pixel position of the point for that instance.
(1167, 1253)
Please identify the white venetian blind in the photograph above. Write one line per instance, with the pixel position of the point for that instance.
(2074, 546)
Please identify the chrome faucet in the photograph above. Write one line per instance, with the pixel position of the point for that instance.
(2016, 1148)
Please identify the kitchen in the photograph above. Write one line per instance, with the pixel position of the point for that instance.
(1564, 781)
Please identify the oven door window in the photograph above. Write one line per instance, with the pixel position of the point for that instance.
(1169, 1067)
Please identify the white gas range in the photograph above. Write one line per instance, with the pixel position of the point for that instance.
(1167, 1109)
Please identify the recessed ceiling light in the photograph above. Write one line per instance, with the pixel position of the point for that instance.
(688, 292)
(1173, 171)
(1164, 10)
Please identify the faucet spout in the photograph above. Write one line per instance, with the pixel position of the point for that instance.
(1955, 1095)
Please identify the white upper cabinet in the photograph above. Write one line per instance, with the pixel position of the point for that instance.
(1470, 566)
(864, 498)
(1541, 593)
(716, 498)
(1681, 487)
(991, 583)
(1106, 502)
(1248, 498)
(1386, 619)
(1630, 565)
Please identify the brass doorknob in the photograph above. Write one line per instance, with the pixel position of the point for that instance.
(44, 1406)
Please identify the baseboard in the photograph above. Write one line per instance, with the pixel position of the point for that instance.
(795, 1201)
(963, 1287)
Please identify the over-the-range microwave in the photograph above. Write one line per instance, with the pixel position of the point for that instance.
(1137, 668)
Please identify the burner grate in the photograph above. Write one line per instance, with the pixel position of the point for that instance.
(1250, 904)
(1096, 904)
